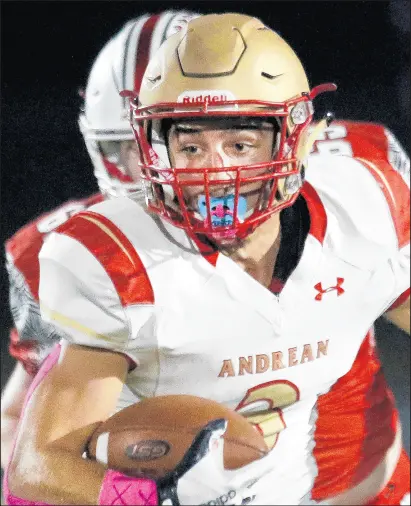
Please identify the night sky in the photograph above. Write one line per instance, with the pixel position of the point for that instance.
(47, 49)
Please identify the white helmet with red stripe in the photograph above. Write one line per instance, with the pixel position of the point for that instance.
(104, 119)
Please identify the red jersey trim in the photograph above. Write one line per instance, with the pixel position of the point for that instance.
(210, 254)
(397, 195)
(356, 425)
(115, 253)
(24, 246)
(401, 299)
(25, 352)
(276, 285)
(318, 216)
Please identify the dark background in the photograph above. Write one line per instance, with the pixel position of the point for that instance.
(47, 49)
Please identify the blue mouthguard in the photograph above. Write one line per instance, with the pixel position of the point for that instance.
(222, 209)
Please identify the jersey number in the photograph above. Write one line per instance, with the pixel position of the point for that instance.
(331, 142)
(263, 404)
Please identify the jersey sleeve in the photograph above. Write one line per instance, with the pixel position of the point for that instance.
(369, 183)
(87, 286)
(360, 139)
(393, 180)
(77, 296)
(387, 161)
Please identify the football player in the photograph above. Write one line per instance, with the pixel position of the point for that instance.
(251, 278)
(109, 141)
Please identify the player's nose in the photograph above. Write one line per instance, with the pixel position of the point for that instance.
(218, 160)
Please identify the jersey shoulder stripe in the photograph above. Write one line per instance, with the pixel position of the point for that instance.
(109, 245)
(23, 247)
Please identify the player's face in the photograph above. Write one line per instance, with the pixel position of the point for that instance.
(125, 155)
(221, 143)
(129, 155)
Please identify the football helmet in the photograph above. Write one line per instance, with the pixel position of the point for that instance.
(103, 120)
(223, 65)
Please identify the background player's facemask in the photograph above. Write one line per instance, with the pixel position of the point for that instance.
(122, 158)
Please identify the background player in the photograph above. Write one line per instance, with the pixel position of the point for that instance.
(109, 140)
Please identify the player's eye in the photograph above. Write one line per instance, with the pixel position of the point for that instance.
(242, 147)
(191, 150)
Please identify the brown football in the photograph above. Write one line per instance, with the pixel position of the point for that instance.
(152, 436)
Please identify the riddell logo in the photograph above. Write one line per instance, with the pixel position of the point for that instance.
(205, 96)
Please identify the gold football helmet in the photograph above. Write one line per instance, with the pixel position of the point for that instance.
(224, 65)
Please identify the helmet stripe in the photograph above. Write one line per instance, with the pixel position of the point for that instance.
(170, 20)
(135, 26)
(143, 50)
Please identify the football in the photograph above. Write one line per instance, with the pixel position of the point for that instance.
(151, 437)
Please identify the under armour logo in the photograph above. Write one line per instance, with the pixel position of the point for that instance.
(337, 287)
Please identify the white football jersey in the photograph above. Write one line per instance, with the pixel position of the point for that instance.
(116, 277)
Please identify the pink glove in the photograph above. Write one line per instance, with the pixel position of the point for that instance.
(116, 489)
(120, 489)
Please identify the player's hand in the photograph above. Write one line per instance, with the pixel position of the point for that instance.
(200, 477)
